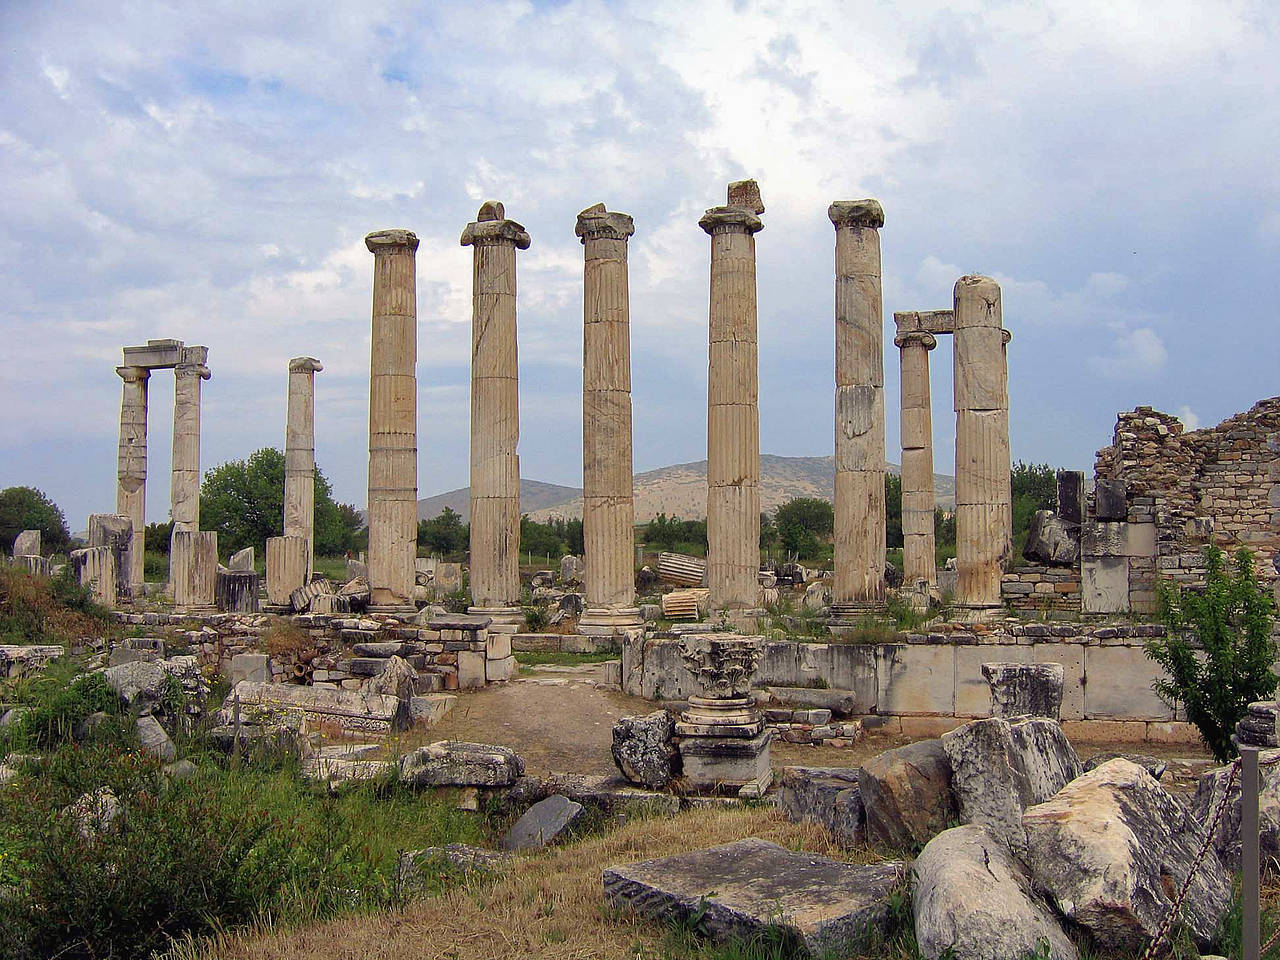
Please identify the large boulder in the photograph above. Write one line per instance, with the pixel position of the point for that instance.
(643, 750)
(829, 796)
(973, 901)
(1051, 540)
(1212, 793)
(1113, 849)
(137, 683)
(397, 679)
(998, 769)
(907, 795)
(456, 763)
(154, 740)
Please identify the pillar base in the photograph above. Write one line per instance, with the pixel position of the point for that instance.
(503, 619)
(609, 621)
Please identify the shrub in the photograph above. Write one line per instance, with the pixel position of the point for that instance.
(56, 705)
(46, 610)
(1230, 621)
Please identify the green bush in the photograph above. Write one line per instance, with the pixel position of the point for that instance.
(47, 609)
(56, 705)
(1219, 650)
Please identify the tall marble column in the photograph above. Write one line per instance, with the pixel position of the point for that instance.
(393, 420)
(733, 417)
(860, 462)
(131, 470)
(184, 485)
(918, 554)
(983, 496)
(495, 415)
(300, 454)
(608, 507)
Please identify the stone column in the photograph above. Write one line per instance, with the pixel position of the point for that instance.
(131, 470)
(184, 487)
(860, 467)
(733, 417)
(300, 455)
(608, 508)
(393, 421)
(983, 500)
(918, 554)
(495, 415)
(196, 565)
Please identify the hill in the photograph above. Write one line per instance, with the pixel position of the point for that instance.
(681, 490)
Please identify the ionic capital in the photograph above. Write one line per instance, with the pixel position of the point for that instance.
(133, 374)
(184, 370)
(491, 226)
(1005, 335)
(856, 213)
(730, 219)
(388, 241)
(597, 223)
(915, 338)
(305, 365)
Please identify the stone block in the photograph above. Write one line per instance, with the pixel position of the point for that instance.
(250, 666)
(236, 591)
(500, 670)
(471, 670)
(1071, 497)
(1104, 585)
(456, 763)
(241, 560)
(711, 763)
(643, 750)
(350, 709)
(1024, 689)
(546, 822)
(498, 646)
(915, 679)
(1071, 656)
(743, 888)
(829, 796)
(27, 544)
(1118, 539)
(906, 793)
(1118, 685)
(1110, 500)
(287, 561)
(973, 692)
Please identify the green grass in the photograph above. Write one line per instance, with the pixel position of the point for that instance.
(556, 658)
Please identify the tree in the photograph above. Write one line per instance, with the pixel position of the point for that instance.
(444, 534)
(1229, 621)
(672, 533)
(768, 532)
(156, 537)
(804, 523)
(243, 502)
(26, 508)
(893, 510)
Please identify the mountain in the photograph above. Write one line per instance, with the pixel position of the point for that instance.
(681, 490)
(534, 495)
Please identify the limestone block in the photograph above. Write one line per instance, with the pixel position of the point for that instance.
(546, 822)
(27, 544)
(350, 709)
(1118, 685)
(1110, 500)
(1104, 585)
(1024, 689)
(286, 568)
(1071, 657)
(973, 692)
(96, 569)
(643, 751)
(829, 796)
(115, 532)
(915, 678)
(906, 793)
(497, 646)
(471, 670)
(250, 666)
(711, 763)
(499, 670)
(1071, 496)
(241, 560)
(456, 763)
(1118, 539)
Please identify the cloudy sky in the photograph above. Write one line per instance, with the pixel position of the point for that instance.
(208, 171)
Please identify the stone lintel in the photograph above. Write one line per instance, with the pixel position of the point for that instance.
(155, 355)
(305, 365)
(741, 217)
(745, 193)
(495, 231)
(856, 213)
(597, 222)
(132, 374)
(936, 322)
(384, 240)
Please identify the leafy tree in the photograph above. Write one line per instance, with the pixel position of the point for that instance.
(672, 533)
(444, 534)
(768, 532)
(893, 510)
(243, 502)
(156, 537)
(26, 508)
(804, 523)
(1229, 621)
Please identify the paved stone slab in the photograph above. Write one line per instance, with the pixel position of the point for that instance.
(542, 824)
(742, 888)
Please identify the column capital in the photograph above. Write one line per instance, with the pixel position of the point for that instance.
(305, 365)
(131, 374)
(921, 337)
(193, 363)
(1005, 335)
(730, 219)
(492, 226)
(856, 213)
(388, 241)
(597, 223)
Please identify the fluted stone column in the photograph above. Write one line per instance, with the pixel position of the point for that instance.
(300, 455)
(860, 462)
(918, 554)
(608, 507)
(184, 488)
(495, 415)
(733, 417)
(393, 421)
(131, 470)
(983, 500)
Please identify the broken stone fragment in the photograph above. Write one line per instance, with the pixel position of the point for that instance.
(543, 824)
(643, 751)
(456, 763)
(907, 794)
(829, 796)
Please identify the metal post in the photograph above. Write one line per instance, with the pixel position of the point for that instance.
(1249, 854)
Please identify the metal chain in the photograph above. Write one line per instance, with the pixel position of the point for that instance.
(1176, 908)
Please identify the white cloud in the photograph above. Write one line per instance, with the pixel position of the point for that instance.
(1135, 354)
(1188, 417)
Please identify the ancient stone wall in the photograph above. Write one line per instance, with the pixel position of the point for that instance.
(1042, 591)
(1220, 482)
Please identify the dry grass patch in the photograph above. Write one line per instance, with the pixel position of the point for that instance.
(550, 906)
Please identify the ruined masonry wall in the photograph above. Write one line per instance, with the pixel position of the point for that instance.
(1042, 590)
(1220, 480)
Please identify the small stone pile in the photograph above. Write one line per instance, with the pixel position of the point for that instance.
(812, 726)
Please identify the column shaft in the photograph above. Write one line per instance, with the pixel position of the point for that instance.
(131, 469)
(733, 418)
(184, 488)
(300, 455)
(608, 508)
(393, 419)
(918, 554)
(983, 500)
(859, 414)
(495, 410)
